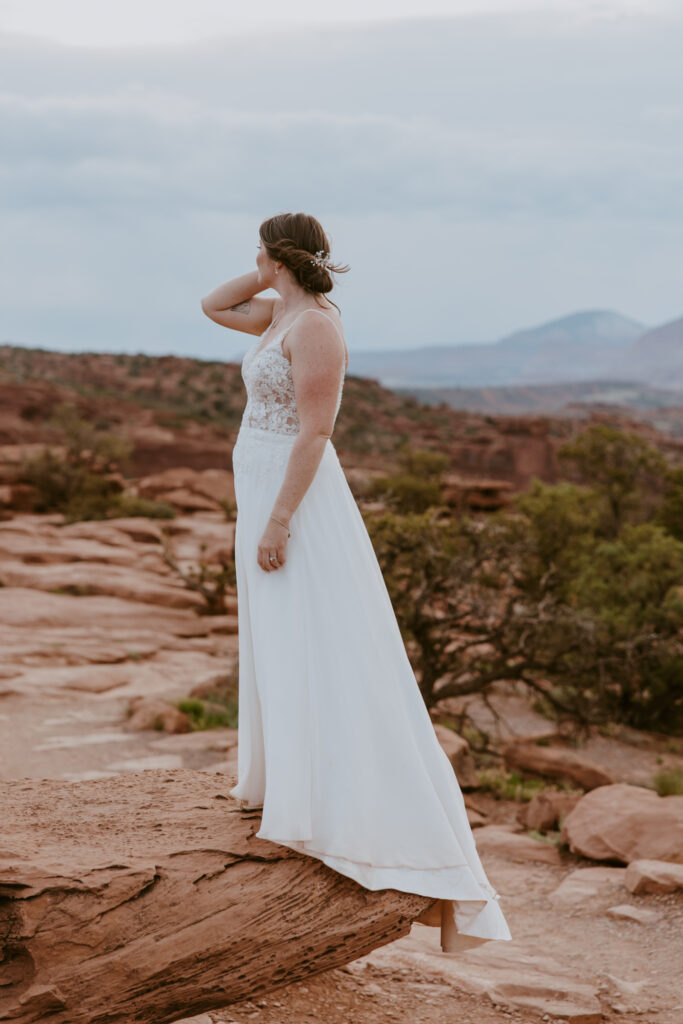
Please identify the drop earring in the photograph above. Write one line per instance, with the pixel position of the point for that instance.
(276, 270)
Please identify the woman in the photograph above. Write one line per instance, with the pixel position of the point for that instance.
(335, 742)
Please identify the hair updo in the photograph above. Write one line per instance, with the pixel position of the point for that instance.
(294, 239)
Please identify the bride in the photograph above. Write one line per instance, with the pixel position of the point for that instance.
(335, 743)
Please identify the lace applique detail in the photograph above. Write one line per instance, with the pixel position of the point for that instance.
(270, 391)
(271, 404)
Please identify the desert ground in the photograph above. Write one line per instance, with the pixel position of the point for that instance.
(101, 638)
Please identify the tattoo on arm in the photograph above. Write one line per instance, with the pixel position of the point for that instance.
(241, 307)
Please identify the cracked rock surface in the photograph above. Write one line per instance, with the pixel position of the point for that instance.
(145, 896)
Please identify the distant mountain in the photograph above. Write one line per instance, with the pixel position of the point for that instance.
(656, 357)
(581, 346)
(518, 400)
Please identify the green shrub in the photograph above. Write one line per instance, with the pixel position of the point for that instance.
(205, 715)
(84, 482)
(210, 582)
(70, 488)
(417, 486)
(405, 493)
(669, 782)
(670, 513)
(593, 626)
(628, 473)
(130, 505)
(510, 785)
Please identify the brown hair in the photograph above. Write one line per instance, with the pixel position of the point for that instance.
(294, 239)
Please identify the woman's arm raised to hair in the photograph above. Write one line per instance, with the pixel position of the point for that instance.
(318, 358)
(233, 305)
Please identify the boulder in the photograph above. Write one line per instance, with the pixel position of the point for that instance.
(545, 810)
(555, 763)
(475, 818)
(653, 876)
(218, 484)
(19, 497)
(626, 823)
(154, 713)
(181, 909)
(458, 752)
(189, 488)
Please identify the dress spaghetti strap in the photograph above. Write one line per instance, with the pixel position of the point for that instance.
(313, 311)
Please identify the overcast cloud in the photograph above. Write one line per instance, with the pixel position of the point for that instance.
(479, 174)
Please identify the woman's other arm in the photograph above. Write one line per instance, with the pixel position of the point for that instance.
(318, 360)
(318, 357)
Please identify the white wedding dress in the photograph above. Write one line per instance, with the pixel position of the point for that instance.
(335, 742)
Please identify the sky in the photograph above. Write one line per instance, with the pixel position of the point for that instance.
(176, 22)
(483, 167)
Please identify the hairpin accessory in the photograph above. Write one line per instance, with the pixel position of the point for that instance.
(322, 259)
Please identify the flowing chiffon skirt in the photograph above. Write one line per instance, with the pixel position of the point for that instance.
(335, 741)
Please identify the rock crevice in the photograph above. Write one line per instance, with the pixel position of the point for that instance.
(110, 918)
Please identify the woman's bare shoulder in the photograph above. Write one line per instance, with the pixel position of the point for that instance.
(331, 313)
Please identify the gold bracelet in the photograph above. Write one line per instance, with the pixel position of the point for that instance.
(282, 524)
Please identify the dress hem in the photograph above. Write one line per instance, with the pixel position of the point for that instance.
(464, 923)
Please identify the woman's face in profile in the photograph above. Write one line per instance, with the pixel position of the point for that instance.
(264, 264)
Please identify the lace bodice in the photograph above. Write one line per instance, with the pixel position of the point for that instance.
(267, 374)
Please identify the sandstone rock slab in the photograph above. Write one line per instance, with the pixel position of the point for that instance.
(627, 912)
(35, 609)
(214, 485)
(181, 908)
(586, 885)
(556, 763)
(34, 550)
(85, 580)
(653, 876)
(514, 979)
(515, 846)
(626, 823)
